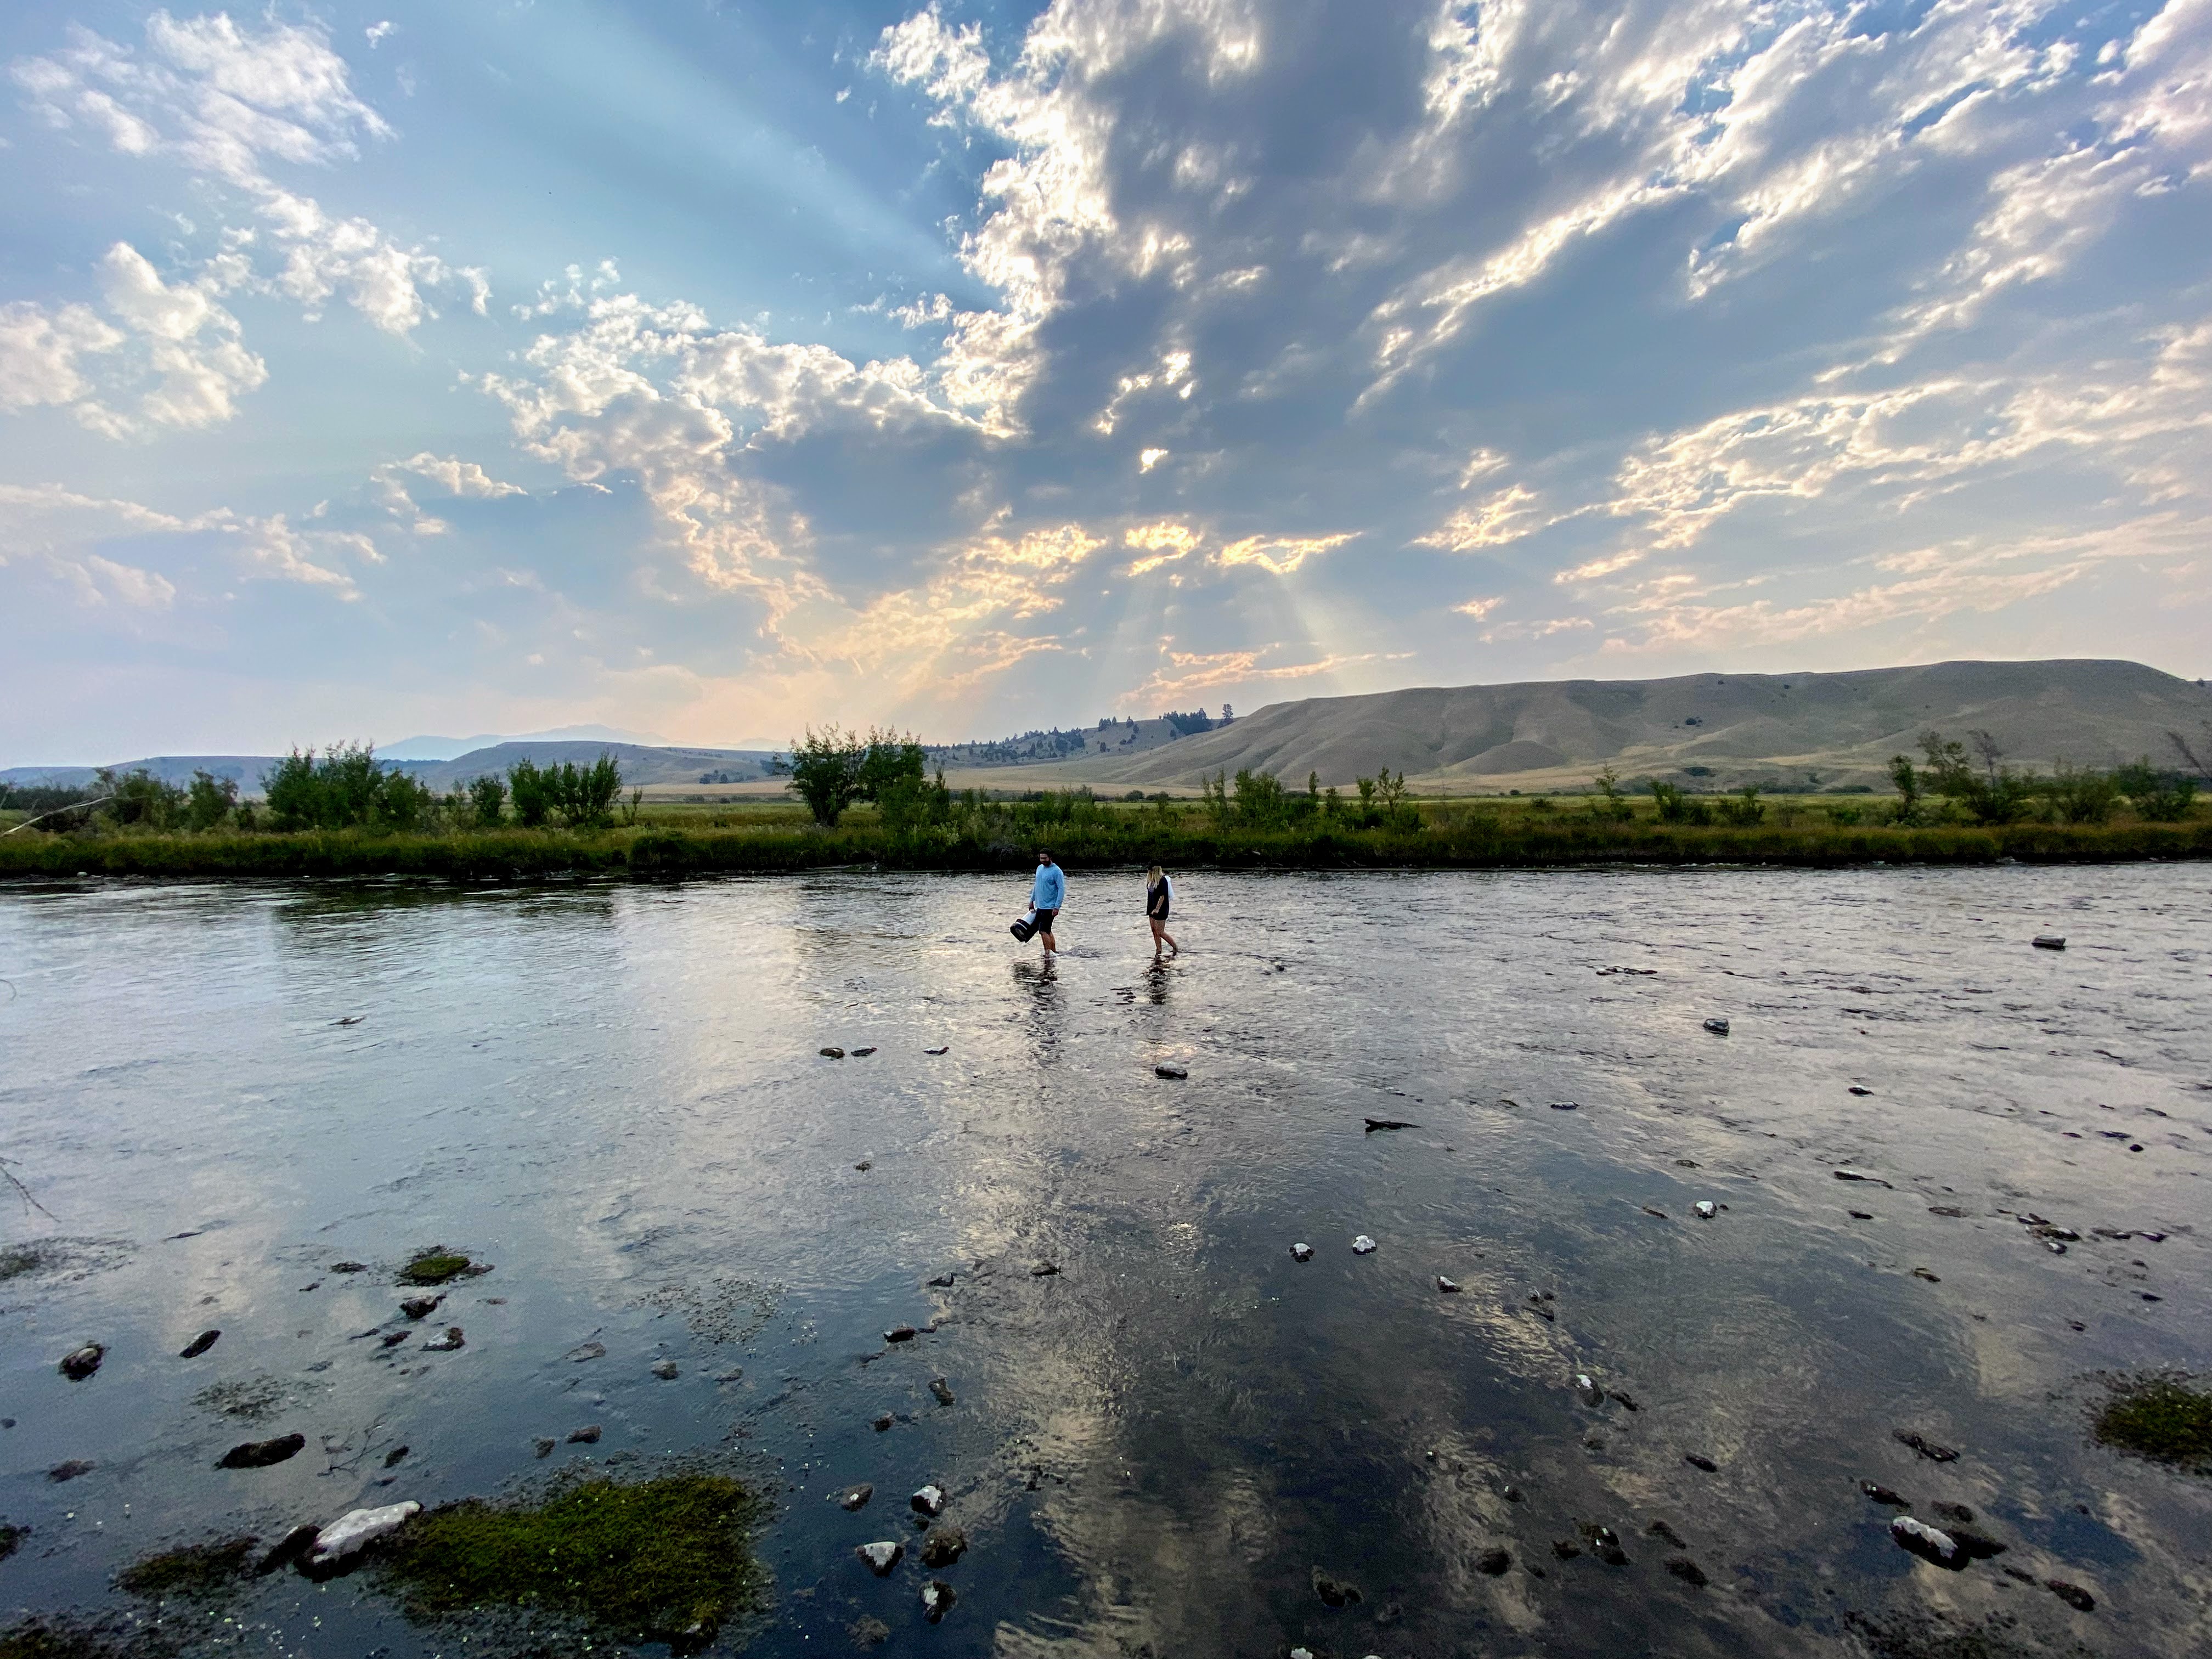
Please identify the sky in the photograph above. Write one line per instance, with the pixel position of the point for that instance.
(715, 370)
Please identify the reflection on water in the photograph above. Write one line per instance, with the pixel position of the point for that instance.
(614, 1094)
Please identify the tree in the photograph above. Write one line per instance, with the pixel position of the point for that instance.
(2158, 797)
(2001, 796)
(139, 797)
(209, 800)
(2198, 761)
(2082, 797)
(825, 772)
(535, 792)
(487, 795)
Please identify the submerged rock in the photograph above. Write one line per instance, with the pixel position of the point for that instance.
(1448, 1286)
(1699, 1460)
(853, 1498)
(1363, 1245)
(1717, 1027)
(2049, 941)
(1334, 1592)
(2072, 1594)
(1565, 1548)
(1661, 1529)
(942, 1546)
(1881, 1494)
(1375, 1123)
(1958, 1512)
(392, 1458)
(868, 1631)
(1687, 1570)
(1705, 1209)
(1927, 1448)
(198, 1345)
(882, 1422)
(1929, 1543)
(1493, 1562)
(1044, 1269)
(357, 1529)
(1301, 1252)
(944, 1048)
(1587, 1390)
(447, 1344)
(584, 1351)
(899, 1334)
(937, 1599)
(1169, 1070)
(82, 1362)
(587, 1436)
(862, 1053)
(942, 1389)
(289, 1550)
(930, 1500)
(1605, 1544)
(882, 1557)
(833, 1053)
(1861, 1175)
(543, 1445)
(70, 1469)
(665, 1369)
(261, 1454)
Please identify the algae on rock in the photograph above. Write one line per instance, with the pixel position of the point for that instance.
(666, 1559)
(2161, 1418)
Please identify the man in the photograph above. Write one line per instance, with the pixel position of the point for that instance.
(1046, 894)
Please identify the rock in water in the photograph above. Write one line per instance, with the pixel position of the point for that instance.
(1587, 1390)
(1605, 1544)
(1861, 1175)
(899, 1334)
(289, 1550)
(942, 1546)
(880, 1423)
(1927, 1448)
(1661, 1529)
(862, 1053)
(1705, 1208)
(1301, 1252)
(1927, 1542)
(420, 1307)
(584, 1351)
(1858, 1091)
(833, 1053)
(447, 1344)
(198, 1345)
(1044, 1269)
(1449, 1287)
(1958, 1512)
(2050, 942)
(882, 1557)
(1169, 1070)
(853, 1498)
(1717, 1027)
(260, 1453)
(1363, 1245)
(543, 1445)
(68, 1468)
(1697, 1460)
(1334, 1592)
(1881, 1494)
(930, 1500)
(1375, 1123)
(1493, 1562)
(946, 1049)
(2072, 1594)
(665, 1369)
(942, 1389)
(357, 1529)
(1687, 1570)
(587, 1436)
(937, 1599)
(392, 1458)
(83, 1361)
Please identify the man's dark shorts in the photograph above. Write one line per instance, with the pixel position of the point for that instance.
(1044, 920)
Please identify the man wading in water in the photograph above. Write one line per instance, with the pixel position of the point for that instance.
(1046, 894)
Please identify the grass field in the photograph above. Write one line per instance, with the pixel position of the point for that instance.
(763, 836)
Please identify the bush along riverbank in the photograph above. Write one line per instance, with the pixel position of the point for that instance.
(1449, 838)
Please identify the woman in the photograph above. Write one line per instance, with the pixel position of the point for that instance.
(1159, 895)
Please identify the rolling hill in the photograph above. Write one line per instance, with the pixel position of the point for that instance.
(1705, 730)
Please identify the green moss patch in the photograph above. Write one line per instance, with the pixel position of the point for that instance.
(434, 1266)
(667, 1559)
(197, 1570)
(2161, 1417)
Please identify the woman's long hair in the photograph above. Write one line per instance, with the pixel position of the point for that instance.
(1153, 877)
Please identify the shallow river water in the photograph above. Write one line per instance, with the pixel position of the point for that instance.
(614, 1094)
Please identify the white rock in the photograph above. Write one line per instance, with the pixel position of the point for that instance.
(930, 1500)
(1706, 1210)
(1301, 1252)
(357, 1529)
(1587, 1387)
(1363, 1245)
(1919, 1534)
(882, 1557)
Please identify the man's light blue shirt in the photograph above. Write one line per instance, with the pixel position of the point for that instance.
(1049, 891)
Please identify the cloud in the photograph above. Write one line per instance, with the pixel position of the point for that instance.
(449, 476)
(1505, 516)
(1188, 673)
(230, 102)
(41, 353)
(1280, 554)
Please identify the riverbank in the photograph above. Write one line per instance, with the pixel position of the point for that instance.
(1470, 842)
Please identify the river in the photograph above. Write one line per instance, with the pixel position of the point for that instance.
(613, 1094)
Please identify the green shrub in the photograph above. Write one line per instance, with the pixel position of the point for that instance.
(139, 799)
(209, 800)
(346, 788)
(535, 793)
(1675, 807)
(2158, 797)
(487, 797)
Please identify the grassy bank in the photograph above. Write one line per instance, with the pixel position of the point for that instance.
(1440, 839)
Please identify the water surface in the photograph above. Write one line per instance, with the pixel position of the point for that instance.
(613, 1093)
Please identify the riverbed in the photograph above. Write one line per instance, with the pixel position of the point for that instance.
(1173, 1441)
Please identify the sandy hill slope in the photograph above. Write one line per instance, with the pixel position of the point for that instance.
(1706, 729)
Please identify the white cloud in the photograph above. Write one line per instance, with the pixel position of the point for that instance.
(41, 352)
(230, 102)
(1280, 555)
(1505, 516)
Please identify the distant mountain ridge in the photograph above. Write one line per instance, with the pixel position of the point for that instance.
(641, 765)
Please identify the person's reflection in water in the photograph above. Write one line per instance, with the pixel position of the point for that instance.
(1047, 1006)
(1155, 983)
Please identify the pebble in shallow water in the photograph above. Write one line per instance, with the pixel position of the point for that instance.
(1929, 1543)
(262, 1454)
(199, 1344)
(883, 1557)
(1301, 1252)
(1363, 1245)
(937, 1599)
(853, 1498)
(82, 1362)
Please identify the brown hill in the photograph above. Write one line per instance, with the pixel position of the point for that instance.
(1709, 730)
